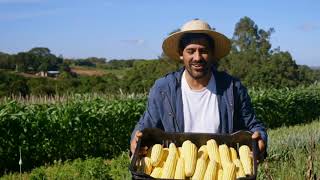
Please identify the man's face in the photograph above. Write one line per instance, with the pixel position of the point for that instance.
(198, 58)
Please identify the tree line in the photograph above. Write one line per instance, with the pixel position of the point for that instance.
(251, 59)
(257, 65)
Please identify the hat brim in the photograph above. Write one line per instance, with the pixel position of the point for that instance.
(222, 44)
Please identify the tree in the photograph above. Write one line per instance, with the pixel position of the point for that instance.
(143, 74)
(248, 37)
(21, 60)
(40, 51)
(252, 60)
(6, 61)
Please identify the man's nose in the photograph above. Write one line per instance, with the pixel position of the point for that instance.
(197, 56)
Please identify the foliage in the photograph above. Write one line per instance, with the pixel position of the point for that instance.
(94, 127)
(12, 84)
(120, 64)
(65, 84)
(91, 168)
(143, 74)
(257, 65)
(293, 153)
(91, 123)
(37, 59)
(279, 107)
(119, 167)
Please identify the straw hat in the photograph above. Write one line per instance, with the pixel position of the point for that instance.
(222, 44)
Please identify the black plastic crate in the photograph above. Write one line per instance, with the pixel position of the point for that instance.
(153, 136)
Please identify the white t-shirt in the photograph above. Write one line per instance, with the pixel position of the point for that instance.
(200, 107)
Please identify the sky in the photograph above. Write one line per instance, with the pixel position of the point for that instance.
(135, 29)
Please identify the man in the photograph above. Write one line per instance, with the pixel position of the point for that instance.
(198, 98)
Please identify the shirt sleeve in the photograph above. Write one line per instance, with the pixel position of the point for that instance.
(151, 117)
(248, 115)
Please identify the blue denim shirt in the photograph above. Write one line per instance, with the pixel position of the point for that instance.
(165, 108)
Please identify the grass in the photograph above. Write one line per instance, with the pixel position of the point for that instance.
(99, 71)
(294, 153)
(91, 168)
(87, 71)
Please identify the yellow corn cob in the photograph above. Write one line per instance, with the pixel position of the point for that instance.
(190, 157)
(165, 153)
(171, 161)
(170, 164)
(245, 158)
(220, 174)
(179, 174)
(180, 152)
(239, 168)
(156, 173)
(213, 150)
(224, 155)
(200, 169)
(203, 152)
(233, 153)
(173, 150)
(229, 172)
(146, 165)
(156, 154)
(212, 171)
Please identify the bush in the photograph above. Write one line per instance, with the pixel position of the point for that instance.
(119, 167)
(284, 107)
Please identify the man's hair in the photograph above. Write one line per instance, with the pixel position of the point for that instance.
(188, 38)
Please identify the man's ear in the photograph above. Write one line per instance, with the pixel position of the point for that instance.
(180, 53)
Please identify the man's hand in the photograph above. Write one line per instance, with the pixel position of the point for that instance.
(134, 142)
(261, 144)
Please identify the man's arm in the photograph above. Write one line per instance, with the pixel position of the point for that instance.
(251, 122)
(150, 118)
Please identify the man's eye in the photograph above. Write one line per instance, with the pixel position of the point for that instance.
(204, 51)
(190, 51)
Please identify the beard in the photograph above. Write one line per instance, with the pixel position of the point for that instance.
(199, 69)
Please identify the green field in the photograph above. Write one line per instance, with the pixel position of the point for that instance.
(293, 153)
(72, 136)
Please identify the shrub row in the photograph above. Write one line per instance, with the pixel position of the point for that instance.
(284, 107)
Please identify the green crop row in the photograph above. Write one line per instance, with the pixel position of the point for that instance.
(69, 130)
(294, 153)
(93, 126)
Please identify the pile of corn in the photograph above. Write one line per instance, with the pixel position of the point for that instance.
(210, 161)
